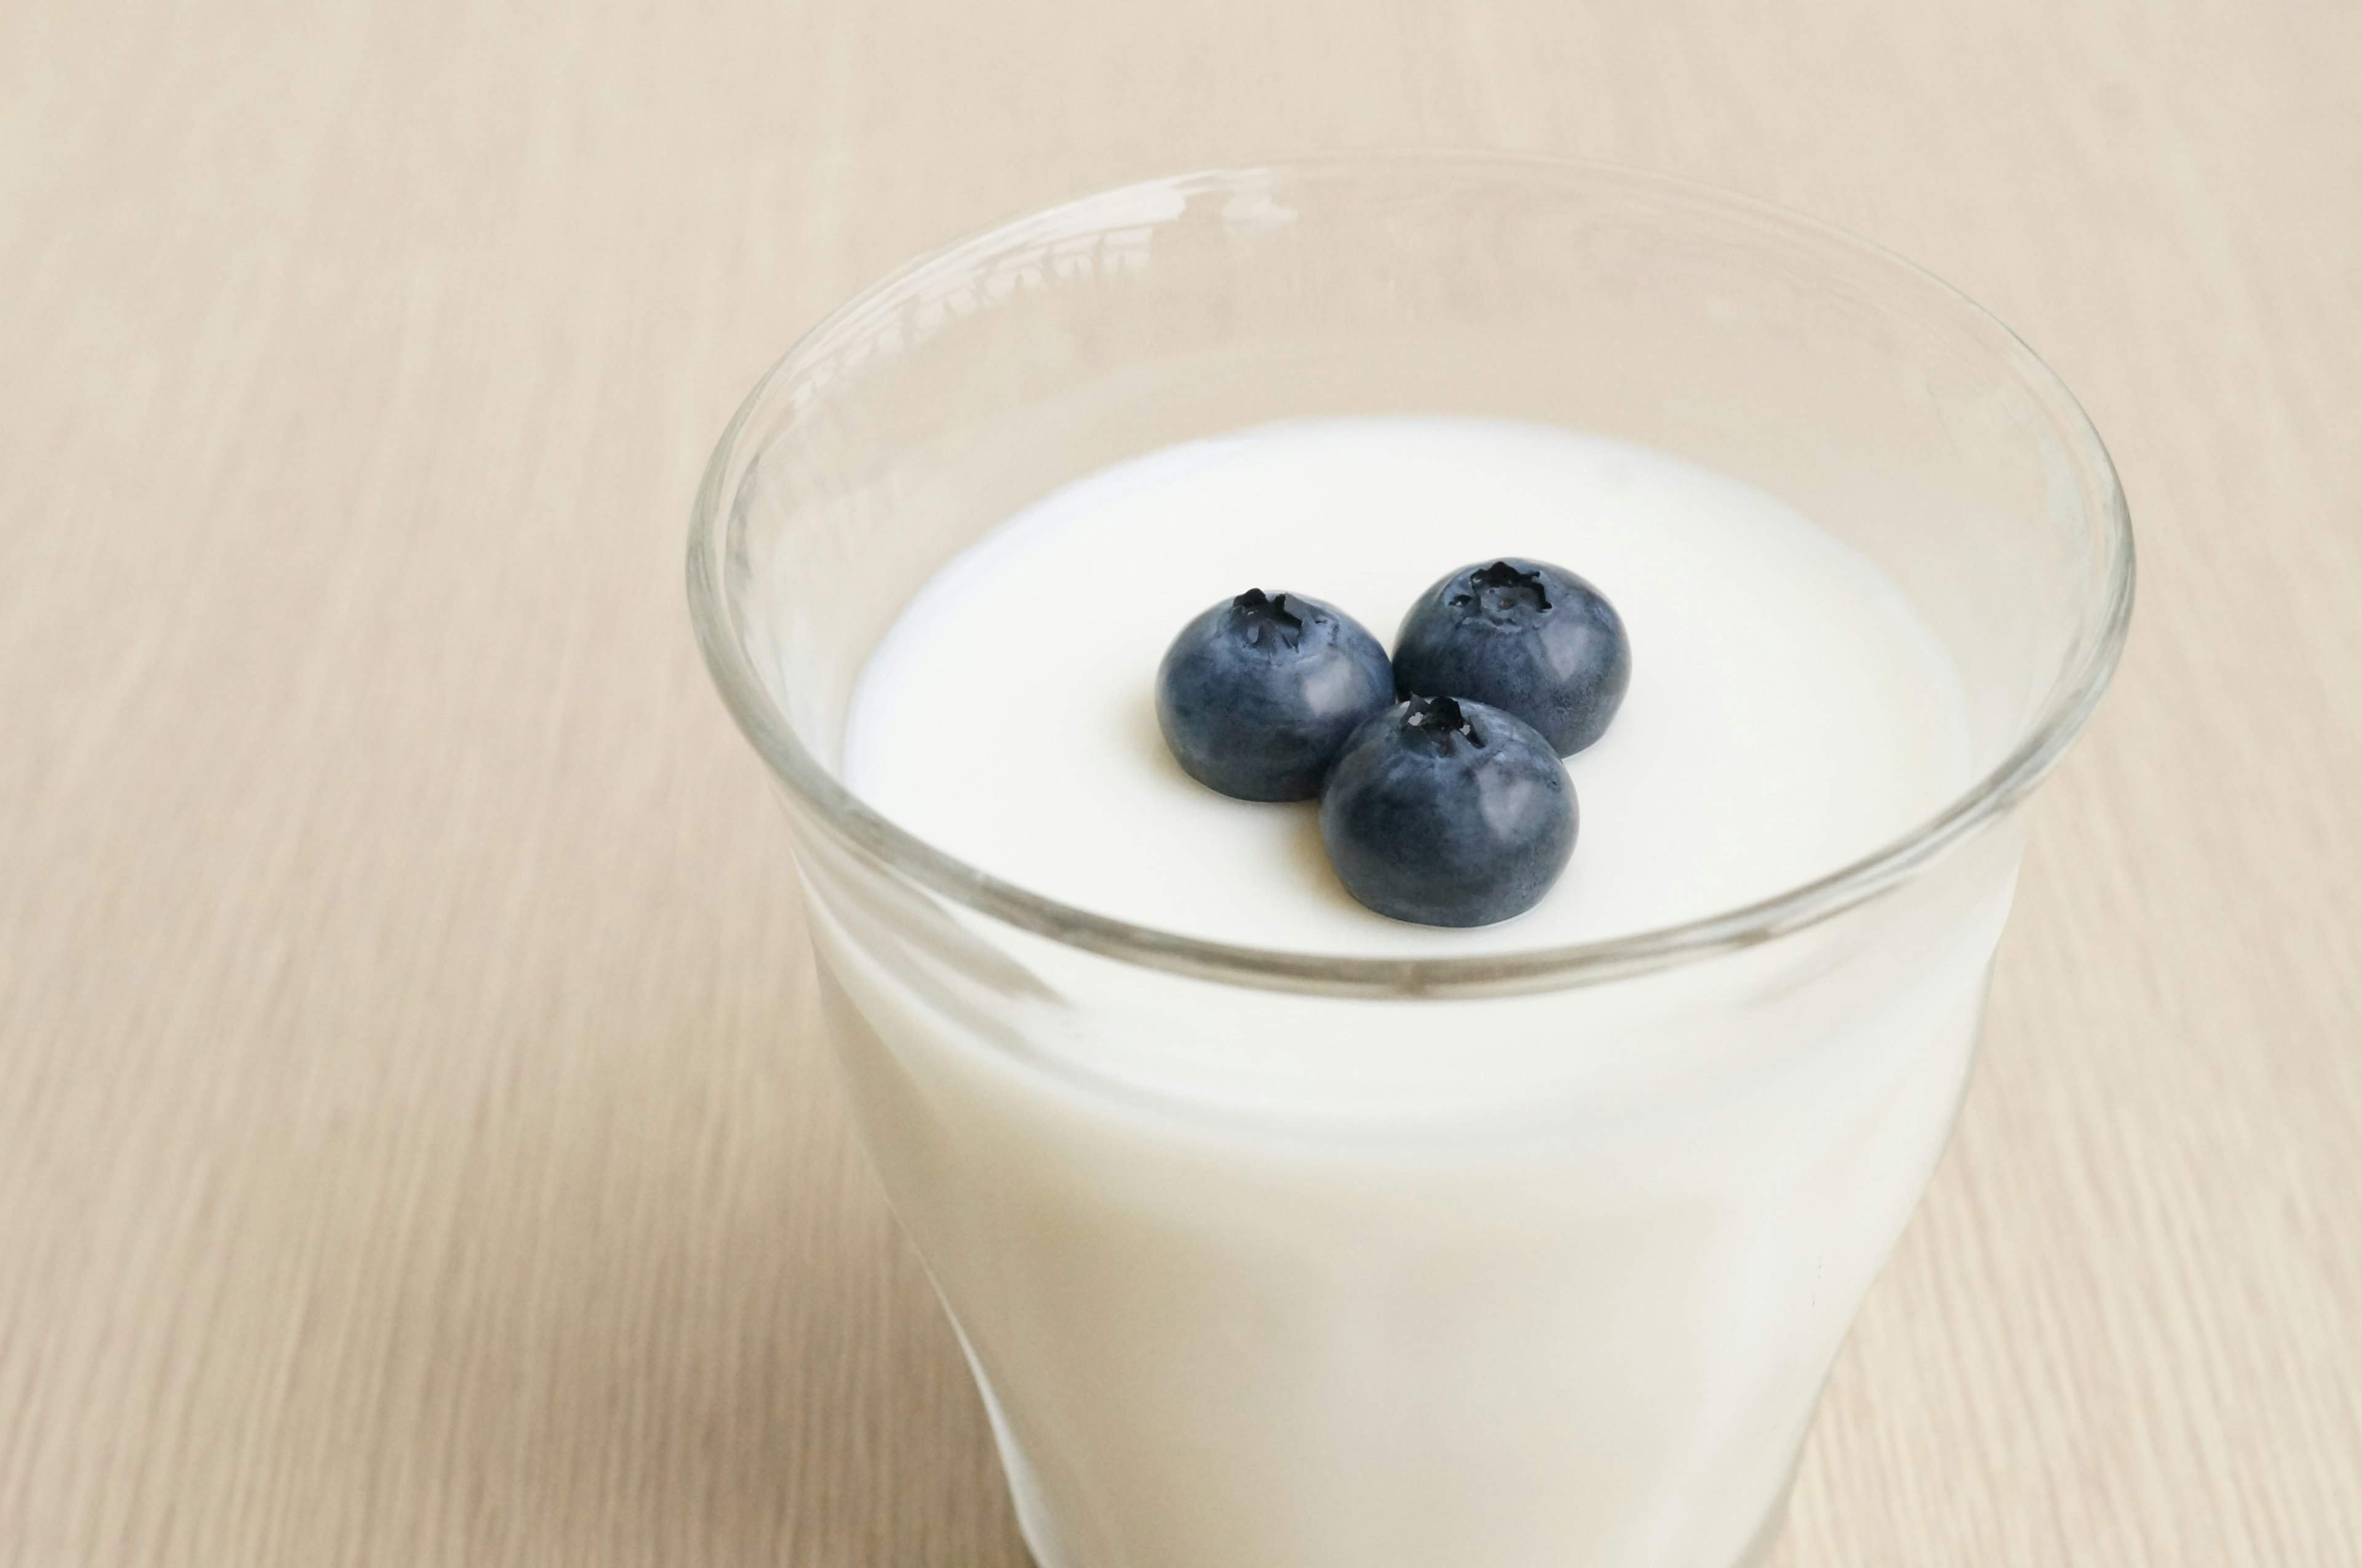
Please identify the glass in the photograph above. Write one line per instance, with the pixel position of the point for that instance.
(1265, 1260)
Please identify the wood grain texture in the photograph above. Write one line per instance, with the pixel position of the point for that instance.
(413, 1145)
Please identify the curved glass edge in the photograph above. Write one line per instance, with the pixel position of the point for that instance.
(894, 850)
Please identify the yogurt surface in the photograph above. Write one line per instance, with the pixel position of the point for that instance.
(1789, 712)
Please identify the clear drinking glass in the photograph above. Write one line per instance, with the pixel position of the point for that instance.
(1265, 1260)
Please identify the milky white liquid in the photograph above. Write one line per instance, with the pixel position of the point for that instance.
(1263, 1279)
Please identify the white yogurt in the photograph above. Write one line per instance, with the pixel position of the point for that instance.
(1263, 1279)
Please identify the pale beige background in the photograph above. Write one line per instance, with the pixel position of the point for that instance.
(413, 1149)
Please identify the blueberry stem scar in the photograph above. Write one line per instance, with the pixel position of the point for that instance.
(1440, 716)
(1262, 610)
(1525, 585)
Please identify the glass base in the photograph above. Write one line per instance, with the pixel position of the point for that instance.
(1034, 1524)
(1757, 1552)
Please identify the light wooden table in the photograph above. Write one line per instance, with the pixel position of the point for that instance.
(412, 1148)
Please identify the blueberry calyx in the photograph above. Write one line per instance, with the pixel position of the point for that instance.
(1437, 721)
(1260, 612)
(1504, 589)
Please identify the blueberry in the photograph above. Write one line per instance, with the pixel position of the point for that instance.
(1258, 695)
(1447, 813)
(1531, 639)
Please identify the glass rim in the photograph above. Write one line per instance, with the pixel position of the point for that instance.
(2064, 710)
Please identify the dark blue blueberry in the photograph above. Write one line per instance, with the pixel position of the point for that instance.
(1258, 695)
(1526, 637)
(1446, 812)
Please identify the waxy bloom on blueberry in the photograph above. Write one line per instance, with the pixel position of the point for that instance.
(1448, 812)
(1525, 636)
(1257, 695)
